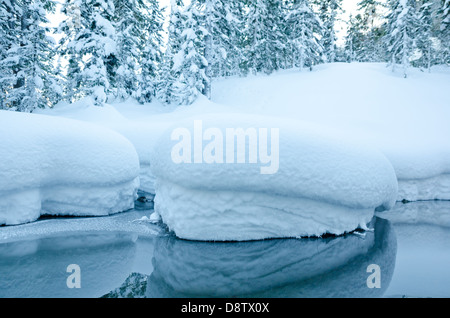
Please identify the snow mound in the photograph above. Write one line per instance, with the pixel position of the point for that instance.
(60, 166)
(421, 212)
(226, 188)
(407, 119)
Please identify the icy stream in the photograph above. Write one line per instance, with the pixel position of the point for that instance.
(407, 254)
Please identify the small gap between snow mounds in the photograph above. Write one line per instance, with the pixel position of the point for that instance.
(237, 177)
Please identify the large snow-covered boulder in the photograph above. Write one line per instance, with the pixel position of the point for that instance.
(246, 177)
(59, 166)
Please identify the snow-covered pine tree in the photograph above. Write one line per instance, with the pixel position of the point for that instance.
(266, 50)
(370, 11)
(127, 14)
(222, 23)
(370, 49)
(444, 30)
(8, 39)
(353, 38)
(151, 43)
(189, 64)
(30, 58)
(96, 48)
(424, 34)
(168, 76)
(137, 24)
(328, 11)
(210, 21)
(70, 27)
(231, 26)
(402, 24)
(237, 60)
(303, 28)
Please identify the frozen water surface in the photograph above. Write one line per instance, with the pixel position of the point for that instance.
(126, 255)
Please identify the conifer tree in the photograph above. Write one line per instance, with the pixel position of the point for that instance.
(169, 76)
(402, 24)
(8, 40)
(189, 63)
(127, 13)
(444, 30)
(424, 34)
(371, 45)
(29, 57)
(353, 39)
(302, 28)
(328, 12)
(68, 49)
(94, 49)
(266, 50)
(150, 42)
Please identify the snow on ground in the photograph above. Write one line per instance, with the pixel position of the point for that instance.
(314, 182)
(60, 166)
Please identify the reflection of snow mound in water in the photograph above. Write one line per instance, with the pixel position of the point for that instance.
(421, 212)
(37, 268)
(319, 183)
(432, 188)
(334, 267)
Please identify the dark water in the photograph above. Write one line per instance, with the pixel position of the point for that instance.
(412, 259)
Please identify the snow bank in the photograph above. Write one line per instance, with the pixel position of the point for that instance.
(60, 166)
(423, 171)
(333, 267)
(142, 125)
(313, 184)
(407, 119)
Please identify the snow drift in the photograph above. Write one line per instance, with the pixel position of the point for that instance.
(407, 119)
(59, 166)
(322, 185)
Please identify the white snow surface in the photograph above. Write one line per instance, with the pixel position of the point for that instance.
(323, 184)
(60, 166)
(407, 119)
